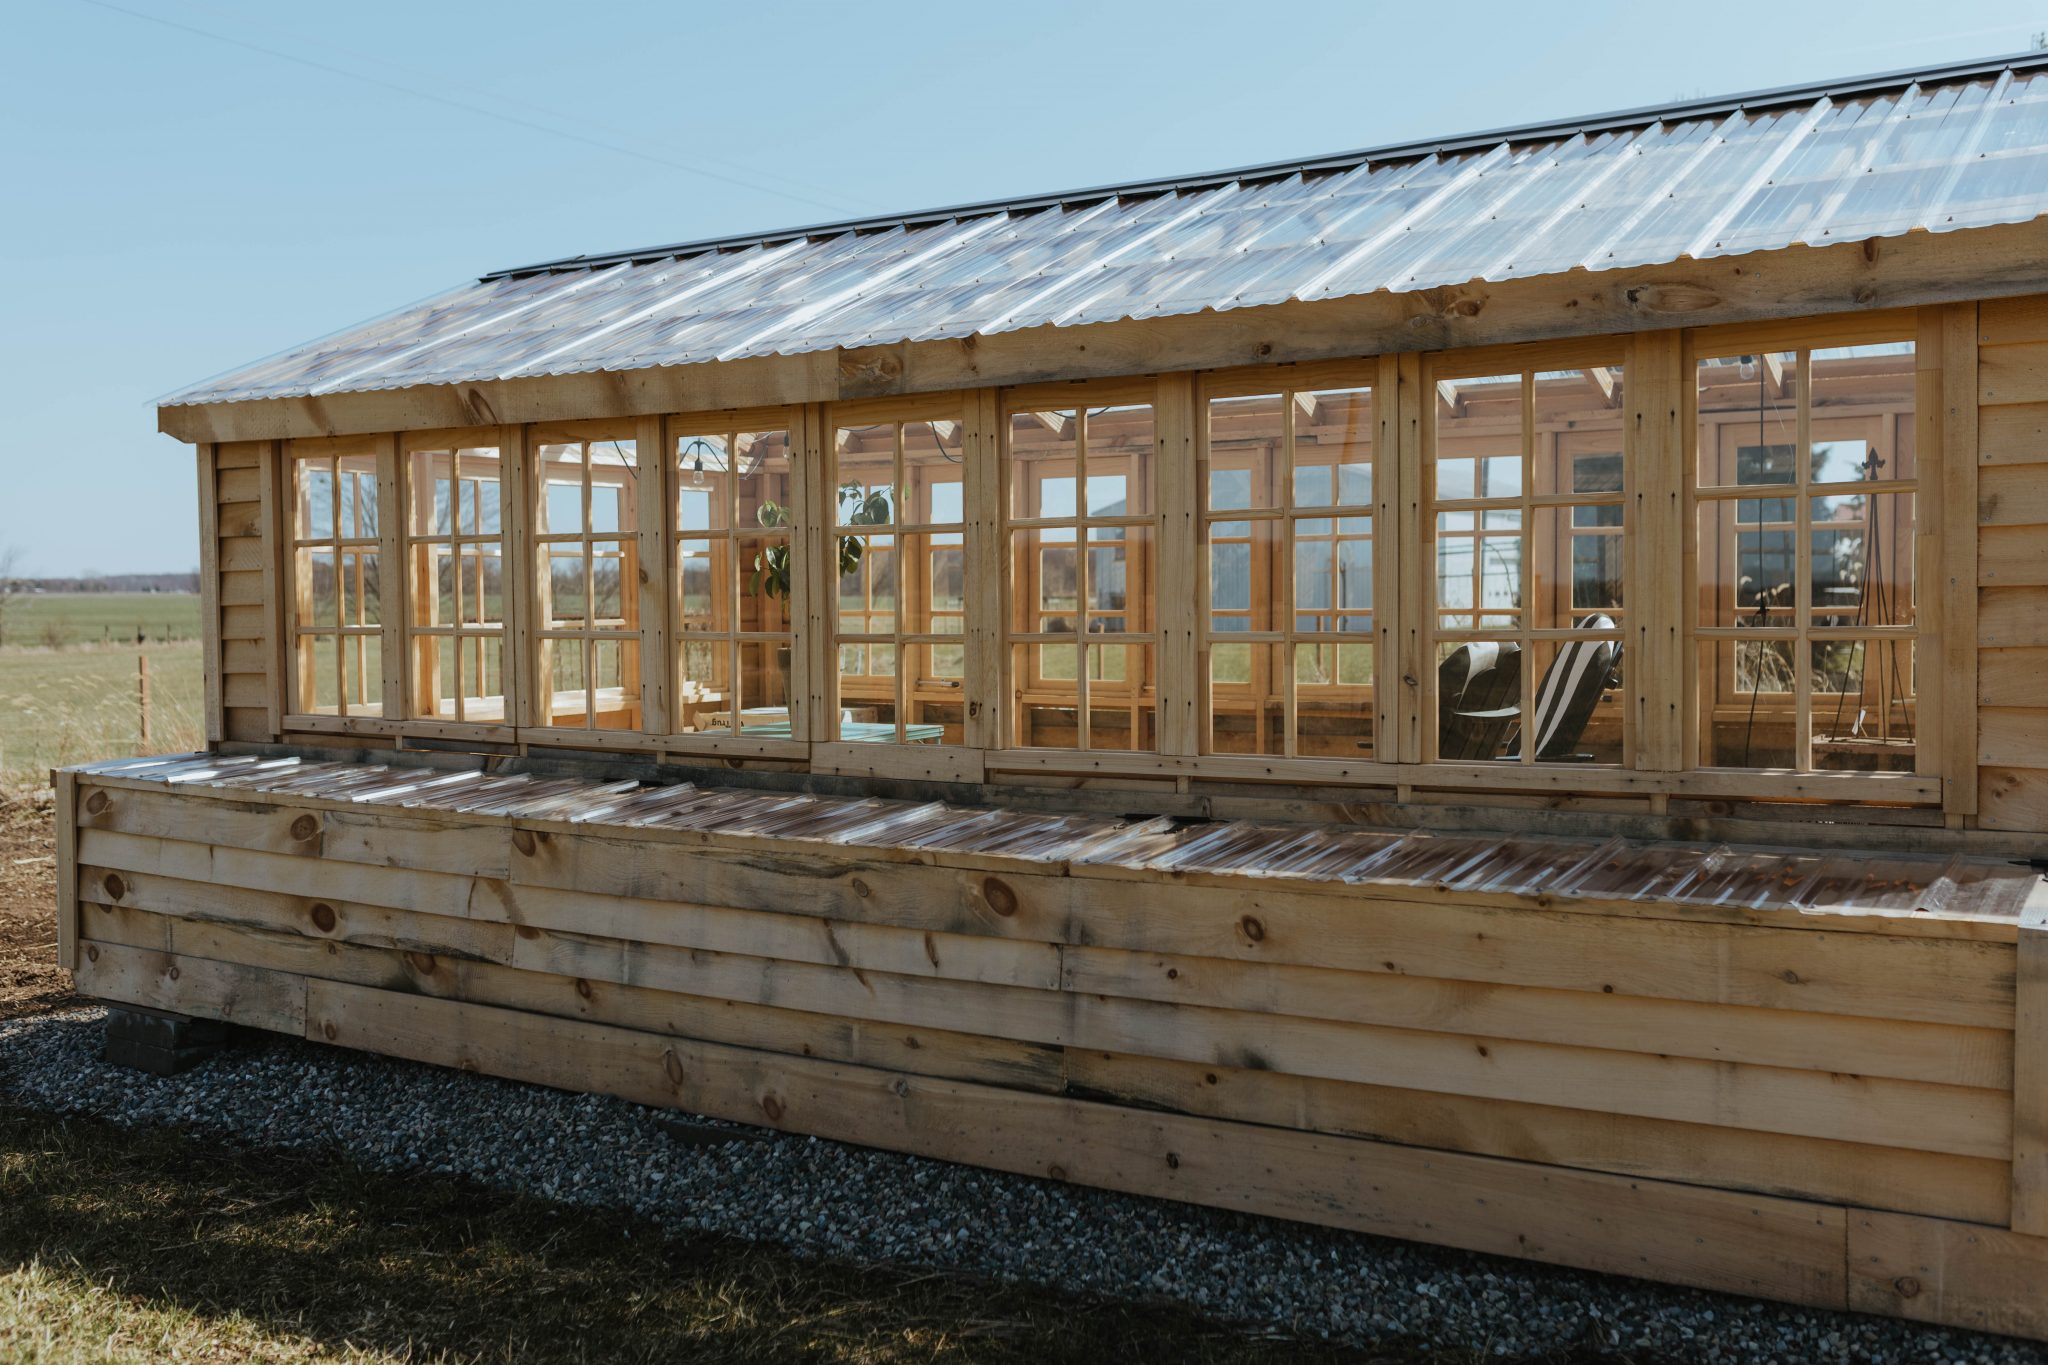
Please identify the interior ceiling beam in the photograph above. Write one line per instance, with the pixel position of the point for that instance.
(1848, 277)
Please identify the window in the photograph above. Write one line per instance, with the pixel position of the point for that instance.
(734, 576)
(900, 533)
(1287, 542)
(1524, 474)
(1079, 524)
(337, 584)
(1806, 624)
(455, 582)
(587, 549)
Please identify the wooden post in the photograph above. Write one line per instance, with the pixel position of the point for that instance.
(142, 693)
(1956, 588)
(2030, 1070)
(67, 869)
(1181, 681)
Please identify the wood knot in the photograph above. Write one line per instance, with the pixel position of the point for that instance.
(673, 1065)
(1671, 298)
(1056, 1171)
(999, 896)
(115, 887)
(772, 1107)
(1173, 973)
(1908, 1287)
(305, 827)
(323, 917)
(583, 988)
(862, 889)
(523, 840)
(1791, 977)
(92, 952)
(900, 1088)
(1252, 929)
(1209, 1078)
(172, 971)
(97, 803)
(424, 963)
(1173, 1161)
(329, 1031)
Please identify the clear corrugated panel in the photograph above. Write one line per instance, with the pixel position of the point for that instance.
(1747, 879)
(1132, 845)
(1862, 881)
(1794, 203)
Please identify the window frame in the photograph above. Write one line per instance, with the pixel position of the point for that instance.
(382, 715)
(1138, 696)
(1704, 699)
(413, 590)
(1273, 535)
(633, 633)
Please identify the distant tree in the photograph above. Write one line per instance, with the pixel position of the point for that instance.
(12, 586)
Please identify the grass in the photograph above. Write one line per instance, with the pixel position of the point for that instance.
(56, 619)
(62, 706)
(121, 1246)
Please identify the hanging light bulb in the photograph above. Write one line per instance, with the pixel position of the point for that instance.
(1748, 367)
(696, 452)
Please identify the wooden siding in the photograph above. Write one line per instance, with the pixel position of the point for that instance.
(239, 593)
(1644, 1089)
(2011, 497)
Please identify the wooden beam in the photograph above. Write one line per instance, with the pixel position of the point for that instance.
(214, 718)
(2030, 1071)
(1995, 262)
(66, 784)
(1957, 578)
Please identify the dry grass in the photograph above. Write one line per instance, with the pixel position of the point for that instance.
(122, 1246)
(64, 706)
(30, 980)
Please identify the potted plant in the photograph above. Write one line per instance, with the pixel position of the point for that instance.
(771, 577)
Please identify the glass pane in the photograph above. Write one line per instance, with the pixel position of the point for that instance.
(1748, 565)
(315, 500)
(1746, 711)
(765, 587)
(1479, 568)
(1244, 452)
(1862, 559)
(1116, 577)
(1478, 447)
(1333, 435)
(1578, 435)
(1863, 706)
(561, 663)
(441, 686)
(1240, 569)
(1246, 700)
(866, 476)
(704, 492)
(699, 569)
(319, 589)
(445, 607)
(568, 601)
(765, 476)
(1120, 710)
(1863, 413)
(486, 587)
(867, 693)
(1120, 453)
(608, 575)
(480, 470)
(934, 464)
(317, 676)
(1581, 566)
(1044, 463)
(765, 687)
(1580, 709)
(1333, 574)
(704, 686)
(362, 674)
(433, 493)
(361, 596)
(1333, 700)
(356, 476)
(1478, 700)
(1748, 419)
(1046, 697)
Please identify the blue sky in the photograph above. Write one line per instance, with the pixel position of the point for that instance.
(194, 184)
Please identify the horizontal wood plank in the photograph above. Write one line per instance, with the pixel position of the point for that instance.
(1983, 1279)
(232, 991)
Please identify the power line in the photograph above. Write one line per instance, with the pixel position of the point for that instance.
(463, 105)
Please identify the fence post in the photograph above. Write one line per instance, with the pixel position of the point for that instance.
(142, 687)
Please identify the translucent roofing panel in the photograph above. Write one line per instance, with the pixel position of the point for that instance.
(1808, 881)
(1964, 152)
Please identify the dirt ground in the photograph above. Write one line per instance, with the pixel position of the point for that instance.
(30, 981)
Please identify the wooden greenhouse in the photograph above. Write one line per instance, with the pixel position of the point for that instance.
(1488, 692)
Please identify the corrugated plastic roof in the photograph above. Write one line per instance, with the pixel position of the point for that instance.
(1938, 153)
(1809, 881)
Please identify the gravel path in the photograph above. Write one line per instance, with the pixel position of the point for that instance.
(829, 1200)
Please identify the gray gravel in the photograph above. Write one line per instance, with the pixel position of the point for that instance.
(825, 1199)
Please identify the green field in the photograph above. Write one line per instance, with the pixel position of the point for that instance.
(62, 706)
(51, 619)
